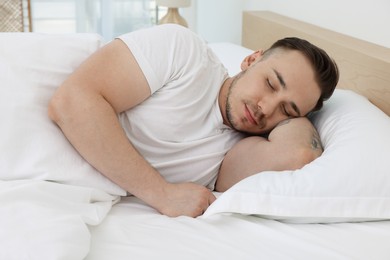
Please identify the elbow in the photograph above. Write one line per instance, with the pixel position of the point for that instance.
(60, 106)
(304, 156)
(56, 108)
(221, 185)
(52, 109)
(224, 177)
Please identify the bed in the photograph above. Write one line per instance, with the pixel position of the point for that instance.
(55, 206)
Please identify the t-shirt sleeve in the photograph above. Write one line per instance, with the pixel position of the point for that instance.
(164, 52)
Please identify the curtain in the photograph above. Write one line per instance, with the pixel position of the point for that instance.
(109, 18)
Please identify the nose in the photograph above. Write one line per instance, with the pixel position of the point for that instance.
(268, 105)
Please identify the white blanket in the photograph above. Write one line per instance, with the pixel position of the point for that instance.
(45, 220)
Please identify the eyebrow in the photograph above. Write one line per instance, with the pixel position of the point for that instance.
(283, 84)
(280, 78)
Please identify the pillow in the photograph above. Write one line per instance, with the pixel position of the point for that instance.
(349, 182)
(32, 66)
(231, 55)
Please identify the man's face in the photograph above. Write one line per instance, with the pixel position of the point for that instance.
(271, 90)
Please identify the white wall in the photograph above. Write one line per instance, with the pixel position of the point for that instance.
(215, 20)
(221, 20)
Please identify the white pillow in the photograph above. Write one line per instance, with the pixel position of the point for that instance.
(32, 66)
(231, 55)
(349, 182)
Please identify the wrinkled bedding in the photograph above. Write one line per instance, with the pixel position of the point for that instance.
(54, 205)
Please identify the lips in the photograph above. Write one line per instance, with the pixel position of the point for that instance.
(249, 116)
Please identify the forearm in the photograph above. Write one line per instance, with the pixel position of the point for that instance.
(92, 127)
(246, 158)
(290, 146)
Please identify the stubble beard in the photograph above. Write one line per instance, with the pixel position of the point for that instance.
(229, 115)
(259, 116)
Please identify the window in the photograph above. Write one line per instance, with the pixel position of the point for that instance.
(109, 18)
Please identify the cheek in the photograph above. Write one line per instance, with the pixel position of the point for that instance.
(251, 81)
(308, 98)
(308, 104)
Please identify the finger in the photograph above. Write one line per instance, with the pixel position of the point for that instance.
(212, 198)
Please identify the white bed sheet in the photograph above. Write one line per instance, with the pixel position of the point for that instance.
(133, 230)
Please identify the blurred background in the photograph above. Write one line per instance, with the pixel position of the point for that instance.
(214, 20)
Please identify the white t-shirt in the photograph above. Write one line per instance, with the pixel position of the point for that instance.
(179, 129)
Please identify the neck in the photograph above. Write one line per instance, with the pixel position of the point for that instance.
(222, 98)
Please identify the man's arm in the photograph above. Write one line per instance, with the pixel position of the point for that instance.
(291, 145)
(86, 106)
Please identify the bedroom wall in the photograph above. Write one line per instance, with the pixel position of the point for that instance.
(220, 20)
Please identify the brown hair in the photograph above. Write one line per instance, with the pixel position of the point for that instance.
(326, 70)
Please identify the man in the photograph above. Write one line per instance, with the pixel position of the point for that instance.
(155, 111)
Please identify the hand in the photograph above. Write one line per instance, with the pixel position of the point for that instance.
(186, 199)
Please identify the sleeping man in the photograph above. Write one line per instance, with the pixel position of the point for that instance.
(155, 111)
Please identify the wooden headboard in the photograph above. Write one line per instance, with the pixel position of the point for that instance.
(364, 67)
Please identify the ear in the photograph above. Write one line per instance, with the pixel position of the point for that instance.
(251, 58)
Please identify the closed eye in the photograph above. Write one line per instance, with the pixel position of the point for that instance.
(270, 85)
(285, 112)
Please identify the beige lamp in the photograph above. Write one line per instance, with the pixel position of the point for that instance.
(173, 15)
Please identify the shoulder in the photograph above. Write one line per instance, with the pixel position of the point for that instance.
(171, 38)
(165, 31)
